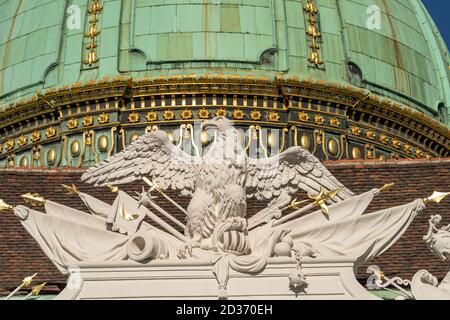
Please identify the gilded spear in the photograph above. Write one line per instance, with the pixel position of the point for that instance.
(436, 197)
(25, 283)
(35, 291)
(154, 186)
(4, 206)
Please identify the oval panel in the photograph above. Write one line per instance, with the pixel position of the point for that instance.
(51, 156)
(356, 153)
(333, 147)
(103, 143)
(305, 142)
(75, 148)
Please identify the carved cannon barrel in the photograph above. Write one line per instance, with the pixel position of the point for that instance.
(143, 247)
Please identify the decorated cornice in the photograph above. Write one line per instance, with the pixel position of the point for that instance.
(377, 126)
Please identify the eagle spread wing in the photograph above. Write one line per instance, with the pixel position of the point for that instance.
(291, 170)
(152, 156)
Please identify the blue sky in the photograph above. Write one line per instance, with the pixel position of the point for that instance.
(439, 10)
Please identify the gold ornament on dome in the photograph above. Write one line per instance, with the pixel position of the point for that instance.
(333, 147)
(36, 154)
(272, 140)
(396, 144)
(72, 124)
(94, 9)
(313, 32)
(273, 117)
(11, 161)
(169, 115)
(395, 156)
(238, 114)
(103, 143)
(407, 148)
(371, 135)
(203, 113)
(221, 113)
(10, 145)
(355, 131)
(134, 117)
(255, 115)
(152, 116)
(204, 138)
(36, 136)
(384, 139)
(151, 129)
(335, 123)
(356, 153)
(103, 118)
(88, 121)
(303, 117)
(23, 140)
(186, 114)
(319, 136)
(305, 142)
(75, 148)
(419, 153)
(51, 156)
(89, 137)
(50, 132)
(318, 119)
(134, 137)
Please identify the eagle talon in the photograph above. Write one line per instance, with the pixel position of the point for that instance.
(186, 250)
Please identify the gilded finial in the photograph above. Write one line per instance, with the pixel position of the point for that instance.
(34, 199)
(387, 187)
(114, 189)
(27, 281)
(322, 197)
(4, 206)
(436, 197)
(35, 291)
(295, 204)
(71, 190)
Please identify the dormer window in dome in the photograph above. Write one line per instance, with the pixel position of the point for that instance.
(355, 74)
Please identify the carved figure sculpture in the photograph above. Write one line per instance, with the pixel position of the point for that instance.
(425, 286)
(218, 182)
(438, 239)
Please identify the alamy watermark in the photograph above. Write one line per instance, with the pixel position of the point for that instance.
(73, 21)
(373, 21)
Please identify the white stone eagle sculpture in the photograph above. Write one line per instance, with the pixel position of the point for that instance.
(220, 181)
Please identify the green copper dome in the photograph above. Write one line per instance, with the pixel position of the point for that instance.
(45, 44)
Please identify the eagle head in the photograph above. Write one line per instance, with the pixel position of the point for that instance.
(220, 124)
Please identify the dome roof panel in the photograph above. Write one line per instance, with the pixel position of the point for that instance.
(404, 59)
